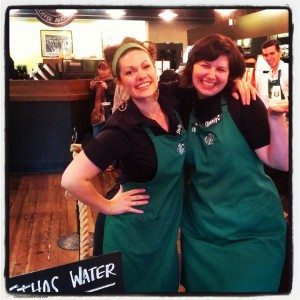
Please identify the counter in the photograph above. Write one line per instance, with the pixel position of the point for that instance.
(40, 119)
(49, 90)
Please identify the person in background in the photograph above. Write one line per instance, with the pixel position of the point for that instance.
(233, 228)
(103, 88)
(250, 61)
(273, 86)
(168, 76)
(12, 72)
(273, 83)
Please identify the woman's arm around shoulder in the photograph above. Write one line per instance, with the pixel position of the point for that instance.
(243, 91)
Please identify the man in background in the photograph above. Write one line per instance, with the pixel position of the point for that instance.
(272, 83)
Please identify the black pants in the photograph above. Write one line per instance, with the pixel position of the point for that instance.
(100, 222)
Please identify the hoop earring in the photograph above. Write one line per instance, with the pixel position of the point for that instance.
(123, 106)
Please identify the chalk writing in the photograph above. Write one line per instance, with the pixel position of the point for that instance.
(101, 274)
(88, 275)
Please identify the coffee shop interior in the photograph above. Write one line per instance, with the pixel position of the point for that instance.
(52, 55)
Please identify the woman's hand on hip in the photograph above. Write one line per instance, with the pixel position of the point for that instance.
(126, 202)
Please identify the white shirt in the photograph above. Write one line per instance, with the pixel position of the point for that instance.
(264, 74)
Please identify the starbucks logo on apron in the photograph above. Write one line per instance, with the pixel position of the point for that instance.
(276, 92)
(180, 148)
(179, 129)
(209, 139)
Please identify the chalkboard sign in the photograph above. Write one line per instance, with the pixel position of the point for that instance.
(98, 275)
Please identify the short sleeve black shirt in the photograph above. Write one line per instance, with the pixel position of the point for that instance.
(124, 139)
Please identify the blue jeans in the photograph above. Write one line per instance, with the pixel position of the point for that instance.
(97, 129)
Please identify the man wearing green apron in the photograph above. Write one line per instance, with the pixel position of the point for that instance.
(275, 90)
(272, 84)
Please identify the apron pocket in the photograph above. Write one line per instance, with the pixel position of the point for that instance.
(147, 237)
(260, 215)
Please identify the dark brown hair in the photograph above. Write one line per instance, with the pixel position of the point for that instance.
(102, 65)
(270, 43)
(110, 51)
(210, 48)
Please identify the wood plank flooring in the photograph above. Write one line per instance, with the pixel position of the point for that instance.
(39, 214)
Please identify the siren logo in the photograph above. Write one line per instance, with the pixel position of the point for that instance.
(181, 148)
(53, 18)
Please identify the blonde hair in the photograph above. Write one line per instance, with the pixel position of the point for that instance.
(120, 96)
(110, 51)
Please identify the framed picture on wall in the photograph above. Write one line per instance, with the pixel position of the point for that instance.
(56, 42)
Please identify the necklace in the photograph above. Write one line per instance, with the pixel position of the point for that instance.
(154, 107)
(159, 116)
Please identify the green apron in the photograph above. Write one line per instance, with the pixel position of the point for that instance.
(276, 82)
(233, 231)
(148, 241)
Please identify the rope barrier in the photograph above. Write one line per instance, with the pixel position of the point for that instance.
(84, 230)
(84, 240)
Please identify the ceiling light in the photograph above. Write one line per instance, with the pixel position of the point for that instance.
(168, 15)
(67, 12)
(224, 12)
(231, 22)
(116, 13)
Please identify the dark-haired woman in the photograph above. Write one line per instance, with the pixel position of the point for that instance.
(102, 88)
(233, 228)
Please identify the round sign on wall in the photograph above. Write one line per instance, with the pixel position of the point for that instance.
(53, 18)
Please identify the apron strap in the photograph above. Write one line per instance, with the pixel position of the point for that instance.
(275, 82)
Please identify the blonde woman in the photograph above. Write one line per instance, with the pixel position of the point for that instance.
(146, 136)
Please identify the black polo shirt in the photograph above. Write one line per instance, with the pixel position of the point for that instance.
(124, 139)
(251, 120)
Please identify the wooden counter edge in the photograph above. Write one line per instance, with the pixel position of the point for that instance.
(54, 98)
(51, 90)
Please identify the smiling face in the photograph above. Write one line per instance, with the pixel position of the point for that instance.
(210, 77)
(138, 74)
(272, 56)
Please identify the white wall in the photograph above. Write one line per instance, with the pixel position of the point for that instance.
(25, 41)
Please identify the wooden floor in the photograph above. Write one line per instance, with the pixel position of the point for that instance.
(40, 215)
